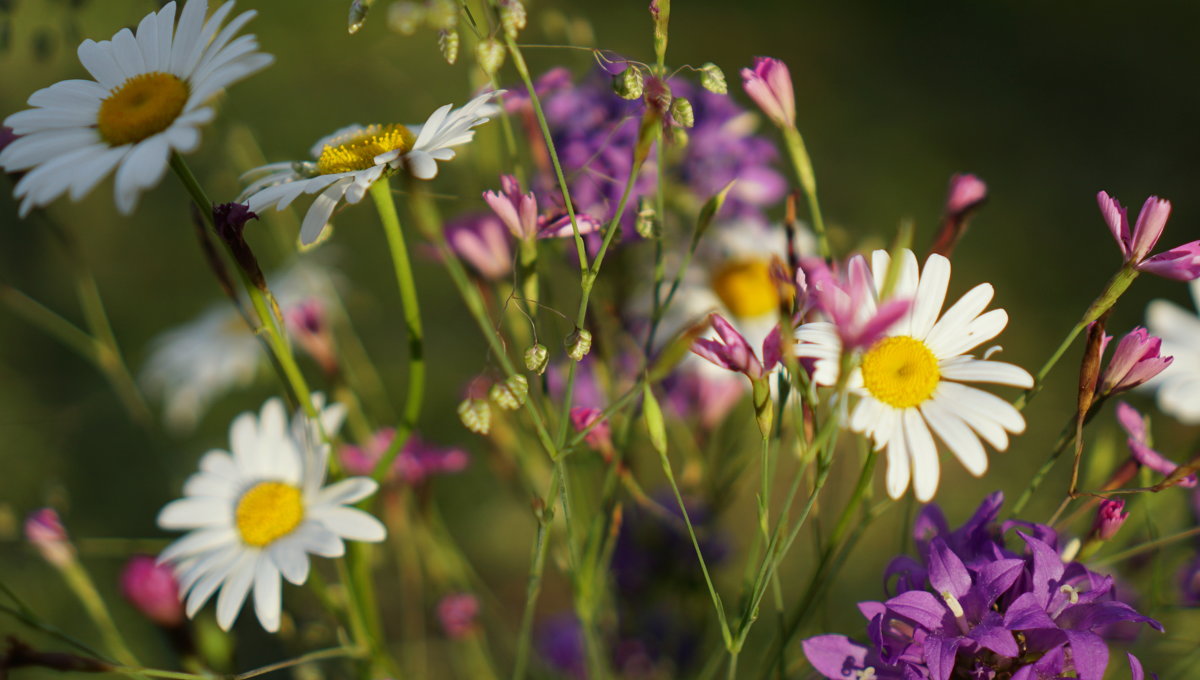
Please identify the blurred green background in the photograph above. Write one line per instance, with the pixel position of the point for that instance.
(1047, 102)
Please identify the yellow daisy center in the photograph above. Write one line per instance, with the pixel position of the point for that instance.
(900, 371)
(746, 287)
(268, 511)
(358, 151)
(142, 106)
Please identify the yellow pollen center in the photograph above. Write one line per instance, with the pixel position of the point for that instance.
(358, 152)
(900, 371)
(746, 288)
(268, 511)
(142, 106)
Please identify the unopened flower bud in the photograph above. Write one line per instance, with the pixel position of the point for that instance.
(628, 84)
(490, 55)
(476, 415)
(579, 344)
(442, 14)
(647, 225)
(405, 17)
(46, 533)
(448, 42)
(681, 111)
(152, 589)
(457, 614)
(712, 78)
(510, 394)
(512, 17)
(358, 14)
(536, 358)
(1109, 518)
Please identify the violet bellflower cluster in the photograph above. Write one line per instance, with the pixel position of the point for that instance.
(972, 607)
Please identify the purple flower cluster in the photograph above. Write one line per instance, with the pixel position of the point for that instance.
(972, 608)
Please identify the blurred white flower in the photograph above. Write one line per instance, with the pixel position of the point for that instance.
(1178, 386)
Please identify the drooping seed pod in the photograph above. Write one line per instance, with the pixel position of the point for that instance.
(536, 358)
(476, 415)
(579, 344)
(510, 395)
(629, 84)
(712, 78)
(490, 55)
(448, 42)
(513, 17)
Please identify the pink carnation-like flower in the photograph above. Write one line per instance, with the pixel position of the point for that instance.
(1181, 263)
(769, 84)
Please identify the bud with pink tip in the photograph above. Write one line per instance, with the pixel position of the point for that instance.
(152, 589)
(457, 614)
(967, 192)
(1181, 263)
(518, 211)
(769, 84)
(45, 532)
(1137, 359)
(1109, 518)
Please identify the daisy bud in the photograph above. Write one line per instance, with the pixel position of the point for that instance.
(358, 14)
(457, 614)
(681, 111)
(510, 395)
(442, 14)
(45, 532)
(769, 84)
(579, 344)
(475, 415)
(405, 17)
(647, 225)
(536, 358)
(448, 42)
(152, 589)
(490, 55)
(629, 84)
(512, 17)
(1109, 518)
(712, 78)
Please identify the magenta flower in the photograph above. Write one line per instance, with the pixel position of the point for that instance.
(769, 84)
(416, 462)
(152, 589)
(731, 350)
(966, 193)
(1109, 518)
(482, 242)
(848, 302)
(45, 532)
(1181, 264)
(308, 324)
(518, 211)
(1135, 426)
(457, 614)
(600, 436)
(1136, 360)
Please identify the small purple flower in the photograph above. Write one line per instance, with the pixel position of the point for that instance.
(560, 642)
(769, 84)
(482, 241)
(518, 211)
(848, 302)
(457, 614)
(731, 350)
(1182, 263)
(152, 589)
(1109, 518)
(45, 532)
(1136, 360)
(1135, 426)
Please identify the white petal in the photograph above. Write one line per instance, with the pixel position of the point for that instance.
(949, 397)
(233, 593)
(90, 171)
(193, 513)
(187, 35)
(243, 439)
(196, 542)
(931, 295)
(267, 600)
(954, 322)
(319, 213)
(346, 491)
(997, 372)
(212, 573)
(313, 537)
(290, 559)
(958, 437)
(204, 484)
(41, 147)
(166, 35)
(898, 466)
(141, 169)
(350, 523)
(926, 470)
(97, 58)
(1180, 398)
(421, 165)
(964, 400)
(127, 54)
(148, 42)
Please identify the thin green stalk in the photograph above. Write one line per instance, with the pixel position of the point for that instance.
(1064, 440)
(310, 657)
(84, 589)
(1147, 546)
(381, 194)
(363, 628)
(808, 183)
(21, 612)
(269, 324)
(51, 323)
(533, 590)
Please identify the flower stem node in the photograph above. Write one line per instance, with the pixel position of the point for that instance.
(712, 78)
(510, 395)
(490, 55)
(681, 111)
(513, 17)
(405, 17)
(448, 43)
(476, 415)
(629, 84)
(579, 344)
(536, 358)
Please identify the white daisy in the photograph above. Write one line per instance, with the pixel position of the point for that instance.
(257, 511)
(147, 101)
(911, 381)
(350, 160)
(191, 366)
(1179, 385)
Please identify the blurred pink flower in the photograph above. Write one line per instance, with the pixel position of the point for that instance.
(152, 589)
(848, 302)
(600, 436)
(46, 534)
(731, 350)
(1135, 426)
(518, 211)
(457, 614)
(1136, 360)
(415, 463)
(1182, 263)
(1109, 518)
(309, 325)
(482, 242)
(966, 193)
(769, 84)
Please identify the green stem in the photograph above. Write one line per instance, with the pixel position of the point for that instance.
(808, 183)
(1149, 545)
(381, 194)
(533, 590)
(84, 589)
(1064, 440)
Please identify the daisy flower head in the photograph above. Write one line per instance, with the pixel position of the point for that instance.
(911, 382)
(1178, 386)
(349, 161)
(255, 513)
(149, 97)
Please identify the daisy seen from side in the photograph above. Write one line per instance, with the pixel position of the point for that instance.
(255, 513)
(149, 97)
(349, 161)
(912, 382)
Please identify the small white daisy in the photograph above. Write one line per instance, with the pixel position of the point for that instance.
(1179, 385)
(911, 381)
(191, 366)
(256, 512)
(350, 160)
(147, 101)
